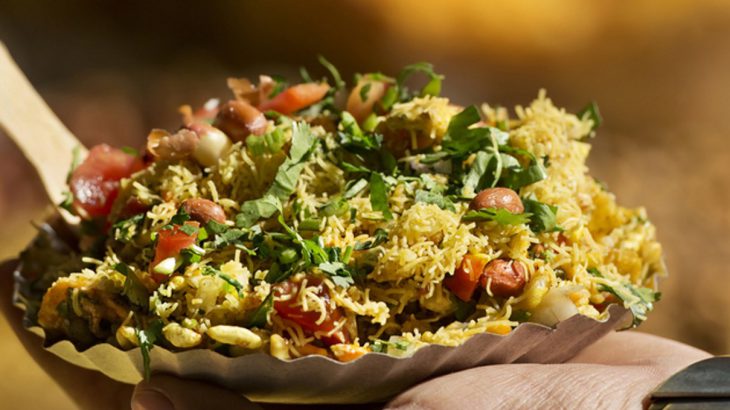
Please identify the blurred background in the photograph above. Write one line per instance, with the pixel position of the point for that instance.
(660, 72)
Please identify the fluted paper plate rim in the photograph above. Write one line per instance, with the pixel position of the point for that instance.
(317, 379)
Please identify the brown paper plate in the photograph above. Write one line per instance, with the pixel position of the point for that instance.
(315, 379)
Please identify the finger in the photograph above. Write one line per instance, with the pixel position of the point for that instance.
(164, 392)
(618, 371)
(529, 386)
(628, 348)
(78, 383)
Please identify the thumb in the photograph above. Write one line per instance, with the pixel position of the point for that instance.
(164, 392)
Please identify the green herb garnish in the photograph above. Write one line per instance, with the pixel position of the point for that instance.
(542, 217)
(499, 215)
(211, 271)
(591, 112)
(379, 236)
(639, 300)
(261, 315)
(147, 339)
(379, 195)
(339, 83)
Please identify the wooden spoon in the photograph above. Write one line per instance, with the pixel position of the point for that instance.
(28, 121)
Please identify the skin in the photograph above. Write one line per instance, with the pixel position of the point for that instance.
(618, 371)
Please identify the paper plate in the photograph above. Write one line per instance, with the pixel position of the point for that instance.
(374, 377)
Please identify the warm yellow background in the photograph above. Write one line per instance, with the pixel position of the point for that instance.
(660, 71)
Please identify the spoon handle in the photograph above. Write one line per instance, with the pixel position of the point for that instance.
(28, 121)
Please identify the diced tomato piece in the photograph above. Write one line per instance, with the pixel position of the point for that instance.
(295, 98)
(288, 309)
(95, 182)
(132, 207)
(361, 108)
(169, 244)
(465, 280)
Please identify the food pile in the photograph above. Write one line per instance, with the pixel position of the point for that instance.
(311, 219)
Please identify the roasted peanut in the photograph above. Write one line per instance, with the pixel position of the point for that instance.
(499, 198)
(508, 277)
(163, 145)
(239, 119)
(204, 210)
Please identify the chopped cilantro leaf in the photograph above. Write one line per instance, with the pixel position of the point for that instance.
(130, 151)
(123, 229)
(379, 195)
(542, 217)
(252, 211)
(135, 290)
(379, 236)
(331, 268)
(591, 112)
(435, 198)
(352, 136)
(211, 271)
(280, 85)
(355, 188)
(288, 256)
(364, 91)
(122, 268)
(269, 143)
(463, 309)
(499, 215)
(342, 281)
(311, 224)
(188, 230)
(639, 300)
(339, 83)
(337, 206)
(180, 217)
(147, 339)
(213, 227)
(520, 316)
(261, 315)
(433, 87)
(75, 162)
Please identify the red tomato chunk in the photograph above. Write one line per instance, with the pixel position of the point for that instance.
(95, 182)
(169, 244)
(288, 309)
(465, 280)
(296, 98)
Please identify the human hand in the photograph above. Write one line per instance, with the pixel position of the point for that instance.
(618, 371)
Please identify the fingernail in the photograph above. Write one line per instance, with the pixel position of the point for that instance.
(150, 399)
